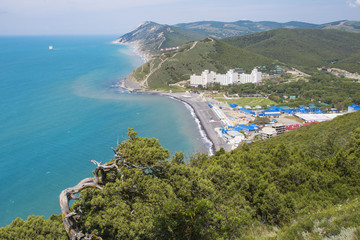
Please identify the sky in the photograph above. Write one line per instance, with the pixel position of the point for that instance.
(57, 17)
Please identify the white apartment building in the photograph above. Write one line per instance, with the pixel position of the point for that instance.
(231, 77)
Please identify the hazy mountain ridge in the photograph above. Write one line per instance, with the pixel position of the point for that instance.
(231, 29)
(344, 25)
(150, 37)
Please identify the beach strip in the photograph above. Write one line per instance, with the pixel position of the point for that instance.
(204, 113)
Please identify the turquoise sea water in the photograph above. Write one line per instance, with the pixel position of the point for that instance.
(59, 110)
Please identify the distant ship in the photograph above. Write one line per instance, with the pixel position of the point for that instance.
(50, 47)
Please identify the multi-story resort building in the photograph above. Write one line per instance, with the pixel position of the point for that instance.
(231, 77)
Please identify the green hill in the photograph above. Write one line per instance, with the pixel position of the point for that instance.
(193, 58)
(302, 183)
(305, 47)
(231, 29)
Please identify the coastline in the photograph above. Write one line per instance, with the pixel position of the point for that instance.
(203, 114)
(198, 108)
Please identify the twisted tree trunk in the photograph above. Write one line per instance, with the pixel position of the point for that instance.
(100, 177)
(70, 218)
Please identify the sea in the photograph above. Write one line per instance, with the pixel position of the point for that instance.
(60, 109)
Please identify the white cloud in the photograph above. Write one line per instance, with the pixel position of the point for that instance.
(354, 4)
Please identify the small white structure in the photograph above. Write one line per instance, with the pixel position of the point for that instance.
(234, 138)
(318, 117)
(268, 132)
(231, 77)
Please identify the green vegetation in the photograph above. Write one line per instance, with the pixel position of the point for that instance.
(252, 102)
(304, 47)
(304, 183)
(177, 36)
(35, 227)
(341, 221)
(231, 29)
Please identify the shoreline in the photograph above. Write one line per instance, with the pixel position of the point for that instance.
(199, 109)
(201, 113)
(204, 134)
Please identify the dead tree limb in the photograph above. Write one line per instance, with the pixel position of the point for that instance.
(70, 218)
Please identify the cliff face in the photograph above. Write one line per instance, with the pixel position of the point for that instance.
(147, 38)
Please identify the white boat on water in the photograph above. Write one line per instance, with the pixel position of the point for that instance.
(50, 47)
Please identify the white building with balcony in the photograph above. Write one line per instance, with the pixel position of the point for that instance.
(231, 77)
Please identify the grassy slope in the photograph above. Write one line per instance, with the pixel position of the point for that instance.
(252, 102)
(303, 47)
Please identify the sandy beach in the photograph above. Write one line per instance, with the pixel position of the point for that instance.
(204, 113)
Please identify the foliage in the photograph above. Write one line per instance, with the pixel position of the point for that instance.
(35, 227)
(340, 221)
(288, 182)
(221, 196)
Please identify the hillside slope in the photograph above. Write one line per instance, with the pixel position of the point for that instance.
(193, 58)
(274, 189)
(304, 47)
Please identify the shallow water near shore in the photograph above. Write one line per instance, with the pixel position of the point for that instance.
(62, 108)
